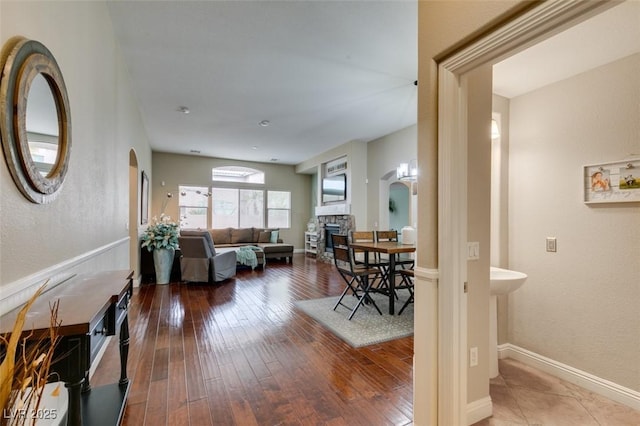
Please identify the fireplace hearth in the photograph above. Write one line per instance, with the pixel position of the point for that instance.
(328, 225)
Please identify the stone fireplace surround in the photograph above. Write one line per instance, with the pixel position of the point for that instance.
(346, 222)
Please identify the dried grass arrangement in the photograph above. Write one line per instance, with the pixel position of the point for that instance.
(24, 372)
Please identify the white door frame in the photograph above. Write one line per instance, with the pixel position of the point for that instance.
(539, 23)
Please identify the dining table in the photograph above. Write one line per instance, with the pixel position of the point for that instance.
(392, 248)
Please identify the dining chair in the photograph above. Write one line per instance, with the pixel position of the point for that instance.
(402, 262)
(375, 260)
(361, 237)
(407, 277)
(359, 278)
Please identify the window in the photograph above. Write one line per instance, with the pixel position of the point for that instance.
(245, 207)
(237, 208)
(278, 209)
(44, 151)
(237, 174)
(194, 203)
(251, 208)
(224, 213)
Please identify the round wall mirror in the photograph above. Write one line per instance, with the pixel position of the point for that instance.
(35, 119)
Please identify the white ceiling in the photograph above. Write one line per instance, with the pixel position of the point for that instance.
(321, 72)
(609, 36)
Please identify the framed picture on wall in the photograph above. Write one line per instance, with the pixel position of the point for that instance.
(144, 199)
(615, 182)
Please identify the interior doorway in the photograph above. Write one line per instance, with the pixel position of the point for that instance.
(533, 27)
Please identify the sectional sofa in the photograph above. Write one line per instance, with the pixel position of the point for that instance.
(268, 240)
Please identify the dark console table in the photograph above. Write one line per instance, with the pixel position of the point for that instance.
(92, 307)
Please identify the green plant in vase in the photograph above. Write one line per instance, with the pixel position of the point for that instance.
(161, 238)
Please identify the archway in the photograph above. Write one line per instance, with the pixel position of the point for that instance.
(388, 181)
(134, 213)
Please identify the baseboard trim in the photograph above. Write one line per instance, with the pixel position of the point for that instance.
(18, 292)
(601, 386)
(479, 409)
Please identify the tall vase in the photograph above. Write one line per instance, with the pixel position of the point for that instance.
(163, 263)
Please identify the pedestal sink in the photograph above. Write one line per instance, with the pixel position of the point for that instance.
(501, 281)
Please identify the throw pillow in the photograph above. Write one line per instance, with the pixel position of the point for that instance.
(274, 236)
(264, 237)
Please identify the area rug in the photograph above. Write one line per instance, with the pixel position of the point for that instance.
(367, 327)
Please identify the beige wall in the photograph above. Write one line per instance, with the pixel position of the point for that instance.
(368, 164)
(175, 170)
(357, 172)
(383, 156)
(85, 228)
(500, 184)
(478, 84)
(500, 204)
(579, 305)
(356, 154)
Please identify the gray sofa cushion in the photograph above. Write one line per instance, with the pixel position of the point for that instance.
(242, 235)
(221, 236)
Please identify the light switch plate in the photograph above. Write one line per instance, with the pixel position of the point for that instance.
(473, 250)
(552, 245)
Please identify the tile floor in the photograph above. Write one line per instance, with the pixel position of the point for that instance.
(523, 395)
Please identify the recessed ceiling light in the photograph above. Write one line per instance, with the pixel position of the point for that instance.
(194, 151)
(274, 159)
(264, 123)
(254, 147)
(183, 109)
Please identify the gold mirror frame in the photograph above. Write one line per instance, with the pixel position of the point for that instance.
(23, 60)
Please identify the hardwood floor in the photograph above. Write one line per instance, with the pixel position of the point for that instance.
(240, 353)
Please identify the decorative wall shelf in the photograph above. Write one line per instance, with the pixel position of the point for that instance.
(614, 182)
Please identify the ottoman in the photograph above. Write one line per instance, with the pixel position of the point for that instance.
(277, 251)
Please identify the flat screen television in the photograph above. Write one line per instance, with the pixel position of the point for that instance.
(334, 188)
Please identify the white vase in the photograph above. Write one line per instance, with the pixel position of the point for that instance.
(163, 263)
(408, 235)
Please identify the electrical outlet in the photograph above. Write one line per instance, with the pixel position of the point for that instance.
(473, 356)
